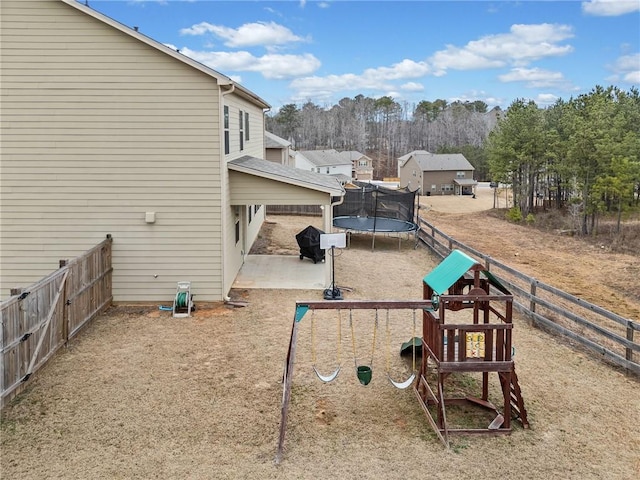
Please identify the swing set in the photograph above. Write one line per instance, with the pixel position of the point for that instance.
(458, 288)
(364, 372)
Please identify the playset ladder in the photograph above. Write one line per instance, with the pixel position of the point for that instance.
(517, 402)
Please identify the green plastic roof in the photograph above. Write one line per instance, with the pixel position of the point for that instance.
(454, 266)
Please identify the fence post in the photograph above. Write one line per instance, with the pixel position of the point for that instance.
(532, 302)
(628, 350)
(65, 310)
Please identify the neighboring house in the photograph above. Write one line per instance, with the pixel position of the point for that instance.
(404, 158)
(328, 162)
(278, 150)
(106, 131)
(436, 174)
(361, 165)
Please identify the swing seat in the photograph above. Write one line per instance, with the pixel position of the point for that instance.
(364, 373)
(327, 378)
(402, 385)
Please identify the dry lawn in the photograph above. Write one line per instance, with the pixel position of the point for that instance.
(142, 395)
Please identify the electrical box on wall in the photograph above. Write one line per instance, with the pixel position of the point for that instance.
(150, 217)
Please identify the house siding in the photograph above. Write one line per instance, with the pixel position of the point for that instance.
(97, 129)
(426, 179)
(251, 189)
(235, 252)
(407, 177)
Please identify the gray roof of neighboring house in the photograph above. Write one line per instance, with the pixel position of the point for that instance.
(274, 141)
(430, 162)
(352, 155)
(325, 158)
(342, 178)
(291, 175)
(465, 181)
(406, 157)
(403, 159)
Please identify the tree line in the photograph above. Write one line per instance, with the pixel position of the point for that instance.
(385, 129)
(581, 154)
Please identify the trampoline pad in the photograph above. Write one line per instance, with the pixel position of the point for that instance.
(371, 224)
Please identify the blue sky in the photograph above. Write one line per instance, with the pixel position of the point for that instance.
(323, 51)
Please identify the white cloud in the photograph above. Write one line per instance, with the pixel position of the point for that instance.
(545, 99)
(412, 87)
(405, 69)
(271, 66)
(371, 79)
(610, 8)
(632, 77)
(522, 45)
(534, 77)
(247, 35)
(626, 69)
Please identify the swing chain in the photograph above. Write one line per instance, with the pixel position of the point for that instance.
(353, 338)
(313, 337)
(375, 333)
(409, 381)
(413, 340)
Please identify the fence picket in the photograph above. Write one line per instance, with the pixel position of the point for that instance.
(55, 307)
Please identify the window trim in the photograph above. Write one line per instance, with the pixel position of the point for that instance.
(241, 129)
(226, 130)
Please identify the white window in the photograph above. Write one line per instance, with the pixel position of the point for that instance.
(241, 125)
(459, 174)
(447, 188)
(226, 130)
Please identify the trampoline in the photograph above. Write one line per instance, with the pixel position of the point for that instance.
(374, 224)
(374, 209)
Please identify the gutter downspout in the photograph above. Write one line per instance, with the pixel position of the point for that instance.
(328, 226)
(225, 296)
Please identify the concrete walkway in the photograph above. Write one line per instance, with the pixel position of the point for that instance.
(280, 271)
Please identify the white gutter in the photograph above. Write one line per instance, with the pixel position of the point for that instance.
(223, 168)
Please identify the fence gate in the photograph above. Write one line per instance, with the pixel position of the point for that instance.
(36, 321)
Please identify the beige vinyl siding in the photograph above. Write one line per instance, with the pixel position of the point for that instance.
(277, 155)
(251, 189)
(439, 179)
(97, 129)
(236, 251)
(407, 178)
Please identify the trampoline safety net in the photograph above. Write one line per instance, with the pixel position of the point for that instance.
(373, 201)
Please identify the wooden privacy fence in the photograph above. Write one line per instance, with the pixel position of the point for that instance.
(305, 210)
(605, 333)
(38, 320)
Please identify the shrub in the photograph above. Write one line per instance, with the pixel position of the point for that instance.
(530, 219)
(514, 214)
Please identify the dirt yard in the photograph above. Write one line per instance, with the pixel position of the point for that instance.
(587, 270)
(142, 395)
